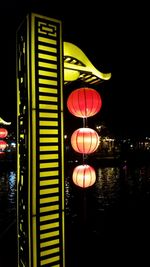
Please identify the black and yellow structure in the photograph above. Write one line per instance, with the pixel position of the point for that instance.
(40, 159)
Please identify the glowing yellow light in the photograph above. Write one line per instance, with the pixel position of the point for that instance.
(77, 65)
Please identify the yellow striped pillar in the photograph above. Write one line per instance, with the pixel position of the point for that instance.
(40, 139)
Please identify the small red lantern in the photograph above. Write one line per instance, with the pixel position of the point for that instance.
(85, 140)
(3, 132)
(84, 176)
(84, 102)
(3, 144)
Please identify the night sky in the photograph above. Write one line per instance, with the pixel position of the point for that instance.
(114, 38)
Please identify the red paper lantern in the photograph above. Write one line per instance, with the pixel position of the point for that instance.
(84, 176)
(3, 132)
(85, 140)
(3, 144)
(84, 102)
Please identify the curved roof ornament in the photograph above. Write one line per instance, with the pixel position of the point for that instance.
(4, 122)
(78, 66)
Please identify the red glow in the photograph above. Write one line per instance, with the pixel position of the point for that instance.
(84, 102)
(3, 144)
(85, 140)
(3, 132)
(84, 176)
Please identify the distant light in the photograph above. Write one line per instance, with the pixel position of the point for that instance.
(13, 144)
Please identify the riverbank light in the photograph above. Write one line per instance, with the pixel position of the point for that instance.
(84, 176)
(84, 102)
(85, 140)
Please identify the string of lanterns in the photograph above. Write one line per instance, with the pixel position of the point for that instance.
(83, 103)
(3, 143)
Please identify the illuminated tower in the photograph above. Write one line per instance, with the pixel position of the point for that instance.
(40, 173)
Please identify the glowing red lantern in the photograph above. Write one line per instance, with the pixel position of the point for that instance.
(84, 102)
(85, 140)
(84, 176)
(3, 132)
(3, 144)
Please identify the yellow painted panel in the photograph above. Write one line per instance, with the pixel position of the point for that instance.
(48, 82)
(50, 260)
(21, 227)
(49, 234)
(49, 182)
(48, 73)
(48, 123)
(47, 28)
(49, 243)
(34, 241)
(49, 217)
(47, 65)
(48, 131)
(48, 165)
(48, 148)
(47, 200)
(49, 173)
(50, 208)
(46, 56)
(48, 156)
(48, 115)
(49, 226)
(49, 251)
(22, 178)
(49, 140)
(49, 191)
(48, 90)
(48, 106)
(47, 48)
(47, 40)
(48, 98)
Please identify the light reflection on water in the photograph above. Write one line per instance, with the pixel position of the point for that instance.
(113, 184)
(117, 213)
(107, 186)
(7, 198)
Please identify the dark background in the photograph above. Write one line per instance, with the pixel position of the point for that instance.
(114, 38)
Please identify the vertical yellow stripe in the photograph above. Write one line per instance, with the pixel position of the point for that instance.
(29, 141)
(33, 161)
(62, 143)
(18, 166)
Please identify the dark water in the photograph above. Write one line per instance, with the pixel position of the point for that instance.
(8, 228)
(107, 224)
